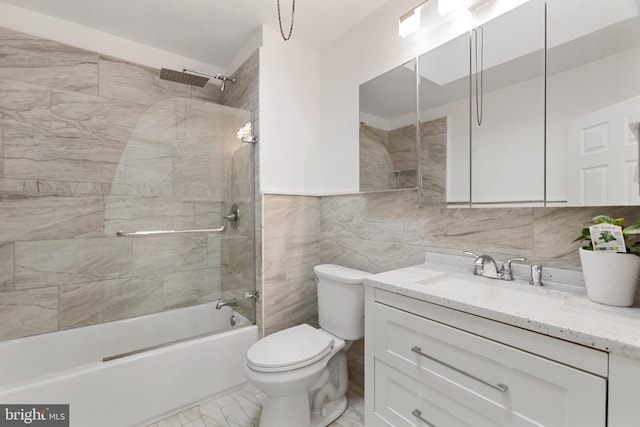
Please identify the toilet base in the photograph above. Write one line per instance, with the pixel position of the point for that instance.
(294, 407)
(333, 410)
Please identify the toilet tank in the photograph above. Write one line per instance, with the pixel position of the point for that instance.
(341, 300)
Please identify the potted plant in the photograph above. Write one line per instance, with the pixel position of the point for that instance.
(610, 260)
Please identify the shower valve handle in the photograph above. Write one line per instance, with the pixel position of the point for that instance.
(250, 294)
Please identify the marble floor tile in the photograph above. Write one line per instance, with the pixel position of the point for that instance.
(241, 408)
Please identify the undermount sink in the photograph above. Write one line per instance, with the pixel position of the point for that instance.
(476, 290)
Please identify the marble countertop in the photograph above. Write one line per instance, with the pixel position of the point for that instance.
(560, 312)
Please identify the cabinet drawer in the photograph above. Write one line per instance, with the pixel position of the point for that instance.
(400, 400)
(510, 387)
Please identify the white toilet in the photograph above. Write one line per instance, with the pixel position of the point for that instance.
(303, 370)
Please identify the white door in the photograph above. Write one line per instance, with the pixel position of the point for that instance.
(603, 156)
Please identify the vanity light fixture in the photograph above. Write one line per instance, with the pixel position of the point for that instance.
(447, 6)
(409, 23)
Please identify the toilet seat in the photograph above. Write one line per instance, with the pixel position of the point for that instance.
(289, 349)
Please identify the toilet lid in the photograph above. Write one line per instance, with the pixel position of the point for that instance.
(289, 349)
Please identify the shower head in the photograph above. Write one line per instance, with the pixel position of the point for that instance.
(183, 77)
(192, 79)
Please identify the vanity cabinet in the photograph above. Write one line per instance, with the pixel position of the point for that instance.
(427, 365)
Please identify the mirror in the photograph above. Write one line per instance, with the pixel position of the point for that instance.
(507, 108)
(444, 87)
(388, 130)
(482, 114)
(593, 102)
(513, 116)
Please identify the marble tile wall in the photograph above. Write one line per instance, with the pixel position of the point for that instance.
(376, 165)
(382, 231)
(291, 248)
(382, 153)
(433, 161)
(402, 149)
(90, 144)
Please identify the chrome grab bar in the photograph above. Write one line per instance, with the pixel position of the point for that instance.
(500, 387)
(233, 217)
(160, 232)
(418, 414)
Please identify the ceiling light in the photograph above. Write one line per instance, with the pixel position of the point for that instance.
(448, 6)
(409, 23)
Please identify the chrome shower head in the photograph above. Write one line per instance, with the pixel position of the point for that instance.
(183, 77)
(176, 76)
(189, 77)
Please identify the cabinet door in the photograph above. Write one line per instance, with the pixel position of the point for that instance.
(497, 383)
(624, 389)
(507, 107)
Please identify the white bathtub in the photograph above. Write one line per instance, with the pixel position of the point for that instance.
(67, 367)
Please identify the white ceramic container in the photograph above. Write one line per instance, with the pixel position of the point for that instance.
(610, 278)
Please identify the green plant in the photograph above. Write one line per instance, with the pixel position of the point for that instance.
(631, 233)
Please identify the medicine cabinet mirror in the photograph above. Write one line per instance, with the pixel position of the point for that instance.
(593, 102)
(482, 114)
(388, 130)
(512, 116)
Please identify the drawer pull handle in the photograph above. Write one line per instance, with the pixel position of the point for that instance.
(418, 414)
(500, 387)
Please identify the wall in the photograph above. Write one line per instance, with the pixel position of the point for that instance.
(383, 231)
(291, 248)
(290, 95)
(90, 144)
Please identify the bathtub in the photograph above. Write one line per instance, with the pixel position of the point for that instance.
(122, 373)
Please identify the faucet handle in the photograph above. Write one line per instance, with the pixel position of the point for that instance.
(477, 263)
(536, 275)
(506, 267)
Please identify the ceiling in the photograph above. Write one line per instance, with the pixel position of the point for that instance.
(210, 31)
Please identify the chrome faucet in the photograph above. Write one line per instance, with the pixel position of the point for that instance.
(224, 302)
(486, 266)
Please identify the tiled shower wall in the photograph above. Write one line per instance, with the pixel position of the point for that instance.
(382, 231)
(382, 153)
(88, 145)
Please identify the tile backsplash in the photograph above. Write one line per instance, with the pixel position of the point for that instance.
(387, 230)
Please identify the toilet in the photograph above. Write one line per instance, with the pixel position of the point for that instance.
(303, 370)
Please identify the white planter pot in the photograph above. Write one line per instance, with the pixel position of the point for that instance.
(610, 278)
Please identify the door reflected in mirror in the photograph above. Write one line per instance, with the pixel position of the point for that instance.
(593, 102)
(388, 130)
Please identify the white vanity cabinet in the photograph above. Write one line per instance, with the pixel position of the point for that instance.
(428, 365)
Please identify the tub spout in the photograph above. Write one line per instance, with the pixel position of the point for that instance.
(223, 302)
